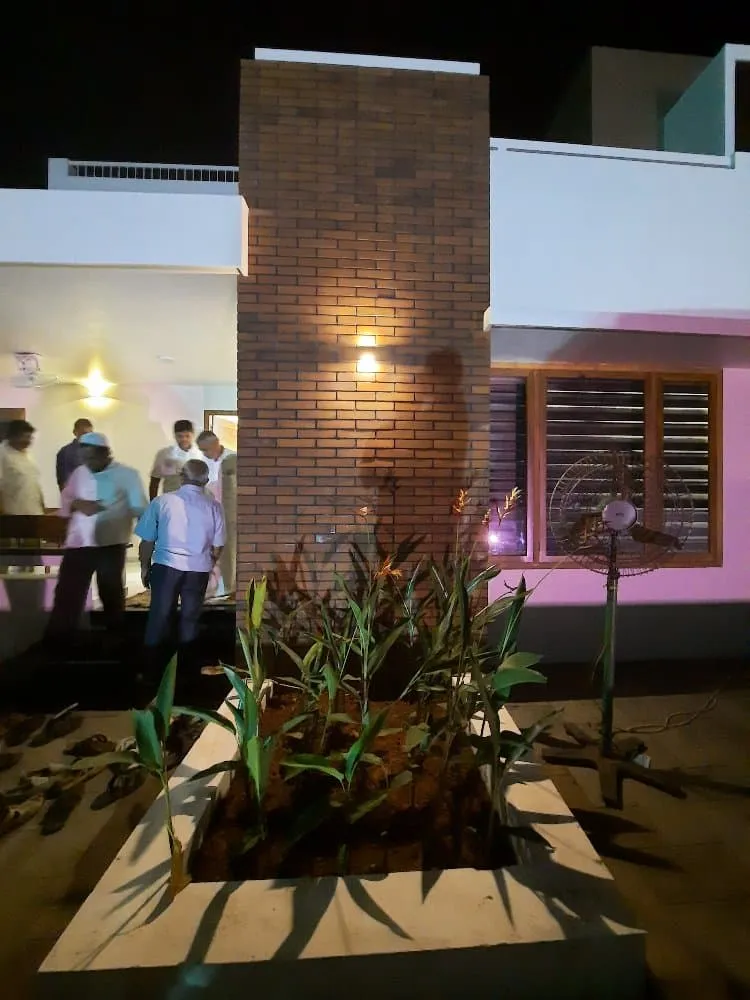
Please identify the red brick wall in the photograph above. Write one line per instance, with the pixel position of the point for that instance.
(369, 214)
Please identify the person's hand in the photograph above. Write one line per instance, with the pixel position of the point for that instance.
(146, 577)
(87, 507)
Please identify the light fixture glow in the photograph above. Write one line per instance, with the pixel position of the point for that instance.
(366, 340)
(95, 384)
(367, 363)
(494, 539)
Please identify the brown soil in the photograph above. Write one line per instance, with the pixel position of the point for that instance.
(425, 825)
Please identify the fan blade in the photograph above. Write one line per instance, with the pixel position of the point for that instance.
(648, 536)
(583, 527)
(621, 474)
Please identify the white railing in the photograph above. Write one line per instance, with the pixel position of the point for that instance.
(105, 175)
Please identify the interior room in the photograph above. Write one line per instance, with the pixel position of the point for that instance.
(131, 350)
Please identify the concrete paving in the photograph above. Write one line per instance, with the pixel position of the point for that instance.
(682, 865)
(43, 880)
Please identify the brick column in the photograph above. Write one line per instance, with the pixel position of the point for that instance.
(369, 216)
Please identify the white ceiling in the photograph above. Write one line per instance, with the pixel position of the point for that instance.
(120, 320)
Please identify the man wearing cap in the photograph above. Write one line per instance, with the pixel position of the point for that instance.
(182, 535)
(101, 499)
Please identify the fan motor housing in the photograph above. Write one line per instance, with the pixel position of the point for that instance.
(619, 515)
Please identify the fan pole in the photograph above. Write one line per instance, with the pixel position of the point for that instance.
(608, 674)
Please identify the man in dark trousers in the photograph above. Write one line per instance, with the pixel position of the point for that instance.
(100, 500)
(182, 534)
(70, 456)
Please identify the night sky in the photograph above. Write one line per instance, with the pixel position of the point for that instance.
(145, 86)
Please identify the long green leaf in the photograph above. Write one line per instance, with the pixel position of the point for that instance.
(464, 619)
(257, 754)
(291, 682)
(311, 656)
(484, 577)
(239, 721)
(380, 652)
(363, 808)
(239, 685)
(256, 600)
(506, 678)
(312, 762)
(332, 679)
(209, 772)
(363, 743)
(162, 706)
(293, 656)
(251, 716)
(521, 660)
(508, 642)
(205, 715)
(147, 740)
(291, 724)
(359, 617)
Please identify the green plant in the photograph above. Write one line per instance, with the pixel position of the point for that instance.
(371, 641)
(436, 615)
(151, 728)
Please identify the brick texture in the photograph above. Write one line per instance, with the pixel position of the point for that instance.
(369, 215)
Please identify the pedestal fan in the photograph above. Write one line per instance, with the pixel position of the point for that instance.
(608, 512)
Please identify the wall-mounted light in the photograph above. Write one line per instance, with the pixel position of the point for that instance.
(367, 363)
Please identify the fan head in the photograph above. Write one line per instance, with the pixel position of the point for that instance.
(647, 509)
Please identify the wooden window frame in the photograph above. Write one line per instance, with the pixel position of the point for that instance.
(536, 487)
(208, 414)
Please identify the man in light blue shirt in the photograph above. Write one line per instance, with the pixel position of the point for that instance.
(182, 535)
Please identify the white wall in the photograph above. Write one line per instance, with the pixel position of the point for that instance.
(185, 231)
(587, 237)
(138, 420)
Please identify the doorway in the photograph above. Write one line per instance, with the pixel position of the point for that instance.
(222, 423)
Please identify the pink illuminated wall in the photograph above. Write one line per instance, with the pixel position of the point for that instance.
(730, 582)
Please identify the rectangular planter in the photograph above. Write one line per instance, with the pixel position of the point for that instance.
(552, 922)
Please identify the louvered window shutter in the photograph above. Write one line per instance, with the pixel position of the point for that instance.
(508, 461)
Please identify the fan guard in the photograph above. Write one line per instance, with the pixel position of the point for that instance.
(605, 493)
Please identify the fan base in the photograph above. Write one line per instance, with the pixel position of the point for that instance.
(614, 766)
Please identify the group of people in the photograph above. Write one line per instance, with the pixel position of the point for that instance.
(186, 525)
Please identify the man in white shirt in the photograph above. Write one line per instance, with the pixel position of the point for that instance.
(20, 486)
(222, 483)
(182, 536)
(101, 500)
(170, 460)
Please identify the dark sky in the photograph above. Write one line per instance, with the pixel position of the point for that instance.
(149, 82)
